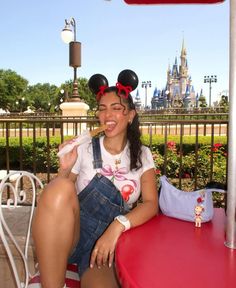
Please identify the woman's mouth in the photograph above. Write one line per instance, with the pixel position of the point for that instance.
(110, 125)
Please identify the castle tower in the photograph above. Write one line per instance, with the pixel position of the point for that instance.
(137, 102)
(179, 81)
(183, 70)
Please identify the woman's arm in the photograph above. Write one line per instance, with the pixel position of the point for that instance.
(149, 205)
(103, 251)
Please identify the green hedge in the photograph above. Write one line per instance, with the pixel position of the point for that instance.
(42, 155)
(30, 152)
(189, 142)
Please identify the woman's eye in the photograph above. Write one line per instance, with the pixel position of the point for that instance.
(112, 108)
(117, 108)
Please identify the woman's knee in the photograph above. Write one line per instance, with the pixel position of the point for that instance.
(100, 278)
(59, 192)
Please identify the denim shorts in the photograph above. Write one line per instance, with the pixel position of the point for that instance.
(100, 201)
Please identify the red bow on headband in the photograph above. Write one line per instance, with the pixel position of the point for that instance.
(101, 92)
(125, 89)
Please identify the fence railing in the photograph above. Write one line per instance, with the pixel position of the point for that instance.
(21, 129)
(59, 125)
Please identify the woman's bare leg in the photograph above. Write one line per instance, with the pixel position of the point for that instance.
(103, 277)
(55, 230)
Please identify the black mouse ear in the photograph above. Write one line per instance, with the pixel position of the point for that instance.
(128, 78)
(96, 82)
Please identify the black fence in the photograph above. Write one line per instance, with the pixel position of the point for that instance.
(41, 136)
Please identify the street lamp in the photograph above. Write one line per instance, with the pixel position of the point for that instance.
(69, 37)
(210, 79)
(146, 84)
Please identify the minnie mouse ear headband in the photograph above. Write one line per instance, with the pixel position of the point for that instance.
(127, 81)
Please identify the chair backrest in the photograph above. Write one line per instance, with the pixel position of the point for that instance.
(13, 193)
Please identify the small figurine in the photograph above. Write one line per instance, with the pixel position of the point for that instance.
(198, 218)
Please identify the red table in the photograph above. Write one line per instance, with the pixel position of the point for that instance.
(169, 253)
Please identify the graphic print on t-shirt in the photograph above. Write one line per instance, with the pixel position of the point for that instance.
(127, 187)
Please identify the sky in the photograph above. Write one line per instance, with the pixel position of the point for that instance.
(116, 36)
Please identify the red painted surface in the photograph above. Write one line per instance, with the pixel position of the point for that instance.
(172, 1)
(170, 253)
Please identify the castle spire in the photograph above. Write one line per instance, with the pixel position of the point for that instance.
(175, 72)
(183, 50)
(137, 102)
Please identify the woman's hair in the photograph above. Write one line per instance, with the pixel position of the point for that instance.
(133, 135)
(127, 81)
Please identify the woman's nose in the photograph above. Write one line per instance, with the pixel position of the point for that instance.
(108, 113)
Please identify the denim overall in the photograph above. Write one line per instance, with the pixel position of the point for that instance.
(100, 201)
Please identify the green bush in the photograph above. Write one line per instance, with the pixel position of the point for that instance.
(45, 156)
(189, 142)
(36, 153)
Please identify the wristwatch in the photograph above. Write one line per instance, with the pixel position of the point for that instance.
(124, 221)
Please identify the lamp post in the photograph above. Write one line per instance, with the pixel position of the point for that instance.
(69, 37)
(146, 84)
(210, 79)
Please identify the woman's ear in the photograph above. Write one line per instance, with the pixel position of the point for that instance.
(132, 114)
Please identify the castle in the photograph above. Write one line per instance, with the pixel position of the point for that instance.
(179, 91)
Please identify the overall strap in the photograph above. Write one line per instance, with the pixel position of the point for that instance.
(97, 157)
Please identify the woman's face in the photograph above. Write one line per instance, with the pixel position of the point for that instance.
(113, 111)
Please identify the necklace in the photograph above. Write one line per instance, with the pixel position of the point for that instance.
(116, 157)
(117, 162)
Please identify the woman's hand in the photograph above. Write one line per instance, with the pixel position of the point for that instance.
(103, 252)
(67, 160)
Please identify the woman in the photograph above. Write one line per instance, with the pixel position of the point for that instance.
(109, 175)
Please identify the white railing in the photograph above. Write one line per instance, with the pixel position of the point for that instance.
(6, 235)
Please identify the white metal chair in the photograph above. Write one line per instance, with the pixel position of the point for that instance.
(11, 185)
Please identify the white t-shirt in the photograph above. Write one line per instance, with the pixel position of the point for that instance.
(126, 181)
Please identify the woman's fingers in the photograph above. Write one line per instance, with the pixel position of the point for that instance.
(105, 258)
(101, 258)
(110, 258)
(93, 257)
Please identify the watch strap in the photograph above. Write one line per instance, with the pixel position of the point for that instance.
(125, 222)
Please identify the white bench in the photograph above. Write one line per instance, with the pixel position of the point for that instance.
(17, 257)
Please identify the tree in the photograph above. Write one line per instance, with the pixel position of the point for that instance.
(202, 101)
(12, 87)
(86, 94)
(43, 97)
(16, 95)
(224, 103)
